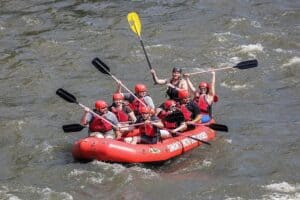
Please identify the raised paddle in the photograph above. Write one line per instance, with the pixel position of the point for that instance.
(136, 26)
(72, 99)
(72, 128)
(102, 67)
(242, 65)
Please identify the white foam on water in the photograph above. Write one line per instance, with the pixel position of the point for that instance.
(282, 191)
(129, 178)
(20, 124)
(31, 21)
(221, 36)
(206, 163)
(233, 198)
(146, 173)
(77, 172)
(95, 180)
(116, 168)
(90, 176)
(279, 50)
(280, 196)
(292, 61)
(283, 187)
(228, 141)
(238, 20)
(4, 194)
(47, 193)
(251, 48)
(45, 146)
(160, 45)
(236, 87)
(255, 24)
(235, 59)
(44, 193)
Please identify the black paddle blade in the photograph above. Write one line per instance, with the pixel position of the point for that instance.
(176, 116)
(218, 127)
(66, 95)
(101, 66)
(72, 128)
(247, 64)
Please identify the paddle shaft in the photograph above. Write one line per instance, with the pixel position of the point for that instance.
(91, 111)
(118, 81)
(242, 65)
(194, 73)
(204, 142)
(199, 140)
(144, 50)
(72, 99)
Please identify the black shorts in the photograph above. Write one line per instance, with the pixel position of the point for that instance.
(145, 139)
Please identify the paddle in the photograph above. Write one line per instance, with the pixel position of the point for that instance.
(178, 116)
(199, 140)
(72, 128)
(242, 65)
(136, 26)
(72, 99)
(217, 127)
(102, 67)
(204, 142)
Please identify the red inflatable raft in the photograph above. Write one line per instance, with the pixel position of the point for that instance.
(92, 148)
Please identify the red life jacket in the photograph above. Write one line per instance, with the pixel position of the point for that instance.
(168, 125)
(135, 105)
(148, 130)
(203, 104)
(186, 113)
(99, 125)
(121, 114)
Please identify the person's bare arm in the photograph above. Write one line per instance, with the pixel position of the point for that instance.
(157, 80)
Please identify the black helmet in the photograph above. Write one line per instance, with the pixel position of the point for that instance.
(177, 69)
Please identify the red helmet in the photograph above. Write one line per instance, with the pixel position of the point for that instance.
(100, 104)
(183, 94)
(204, 84)
(145, 110)
(140, 88)
(118, 96)
(168, 103)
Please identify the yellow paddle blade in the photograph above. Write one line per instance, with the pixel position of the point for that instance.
(134, 22)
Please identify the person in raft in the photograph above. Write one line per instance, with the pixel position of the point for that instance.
(98, 127)
(205, 96)
(171, 117)
(134, 103)
(190, 109)
(123, 112)
(174, 84)
(150, 129)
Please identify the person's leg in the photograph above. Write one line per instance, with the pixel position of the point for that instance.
(96, 134)
(165, 134)
(110, 134)
(132, 140)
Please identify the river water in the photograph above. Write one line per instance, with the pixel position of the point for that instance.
(48, 44)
